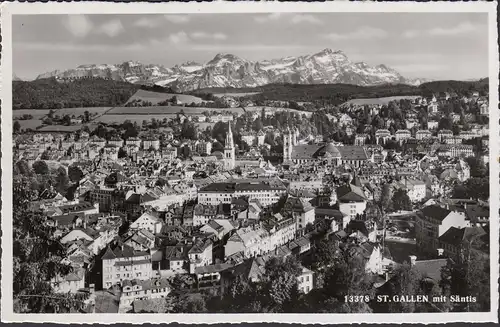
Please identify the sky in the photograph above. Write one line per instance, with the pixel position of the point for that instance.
(418, 45)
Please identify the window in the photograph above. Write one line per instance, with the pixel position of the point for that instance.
(307, 278)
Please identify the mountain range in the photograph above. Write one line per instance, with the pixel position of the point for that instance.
(227, 70)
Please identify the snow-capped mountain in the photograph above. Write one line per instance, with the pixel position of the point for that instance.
(227, 70)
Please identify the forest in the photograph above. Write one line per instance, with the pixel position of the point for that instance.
(51, 94)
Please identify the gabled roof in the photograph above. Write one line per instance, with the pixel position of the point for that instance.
(350, 193)
(456, 236)
(435, 212)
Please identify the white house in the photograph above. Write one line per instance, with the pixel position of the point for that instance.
(148, 222)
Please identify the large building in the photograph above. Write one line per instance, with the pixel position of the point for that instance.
(267, 191)
(353, 155)
(124, 263)
(432, 222)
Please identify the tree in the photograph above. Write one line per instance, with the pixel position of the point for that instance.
(468, 276)
(401, 200)
(37, 259)
(75, 174)
(445, 123)
(23, 167)
(86, 116)
(191, 303)
(16, 127)
(66, 120)
(324, 255)
(122, 153)
(62, 180)
(40, 167)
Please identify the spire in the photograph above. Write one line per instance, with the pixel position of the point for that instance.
(229, 137)
(356, 181)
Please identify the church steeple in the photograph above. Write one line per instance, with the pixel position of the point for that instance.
(229, 150)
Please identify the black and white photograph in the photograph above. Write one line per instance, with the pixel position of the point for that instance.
(250, 160)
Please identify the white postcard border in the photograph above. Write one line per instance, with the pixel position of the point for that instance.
(9, 9)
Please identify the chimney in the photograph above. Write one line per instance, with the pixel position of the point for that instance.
(413, 259)
(84, 223)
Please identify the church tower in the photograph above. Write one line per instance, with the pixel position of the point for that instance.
(229, 151)
(295, 138)
(287, 145)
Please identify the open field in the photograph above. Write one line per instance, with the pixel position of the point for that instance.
(381, 101)
(36, 113)
(30, 124)
(172, 110)
(276, 109)
(240, 94)
(118, 119)
(60, 128)
(155, 97)
(81, 111)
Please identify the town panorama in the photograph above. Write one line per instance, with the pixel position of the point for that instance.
(307, 184)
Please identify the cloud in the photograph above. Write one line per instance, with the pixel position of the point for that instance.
(148, 22)
(111, 28)
(268, 18)
(410, 34)
(364, 32)
(177, 19)
(78, 25)
(460, 29)
(305, 18)
(293, 18)
(212, 36)
(178, 38)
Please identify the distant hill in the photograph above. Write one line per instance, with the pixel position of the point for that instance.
(15, 78)
(51, 94)
(97, 92)
(459, 87)
(339, 93)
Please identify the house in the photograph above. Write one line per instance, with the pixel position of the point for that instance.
(71, 283)
(141, 240)
(305, 281)
(203, 213)
(362, 231)
(456, 240)
(300, 210)
(352, 200)
(432, 222)
(136, 289)
(149, 222)
(122, 263)
(402, 134)
(219, 227)
(170, 259)
(251, 241)
(200, 254)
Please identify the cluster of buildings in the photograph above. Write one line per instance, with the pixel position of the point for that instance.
(139, 219)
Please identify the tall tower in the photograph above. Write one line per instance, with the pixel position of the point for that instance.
(295, 136)
(229, 151)
(287, 145)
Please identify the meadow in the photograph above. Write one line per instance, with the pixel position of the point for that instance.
(119, 119)
(155, 97)
(173, 110)
(237, 95)
(380, 101)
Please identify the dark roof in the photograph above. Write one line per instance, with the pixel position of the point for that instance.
(435, 212)
(177, 252)
(456, 236)
(122, 251)
(336, 214)
(475, 212)
(78, 207)
(350, 193)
